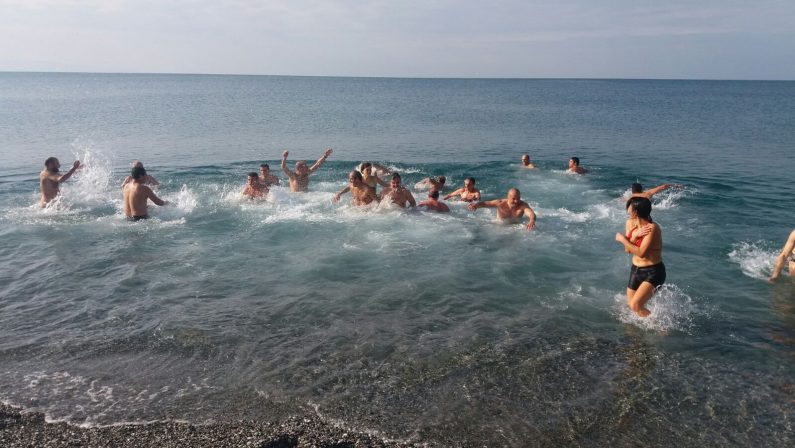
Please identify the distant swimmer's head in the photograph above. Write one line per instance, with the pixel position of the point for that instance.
(52, 164)
(433, 194)
(514, 196)
(395, 183)
(441, 179)
(265, 169)
(525, 159)
(469, 183)
(138, 173)
(637, 188)
(639, 207)
(301, 168)
(574, 162)
(355, 177)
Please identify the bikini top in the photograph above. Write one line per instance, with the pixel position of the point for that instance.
(639, 240)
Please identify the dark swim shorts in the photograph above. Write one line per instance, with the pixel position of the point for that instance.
(653, 274)
(137, 218)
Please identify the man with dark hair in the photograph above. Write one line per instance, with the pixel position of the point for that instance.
(468, 193)
(637, 190)
(361, 192)
(148, 180)
(526, 162)
(136, 195)
(265, 176)
(254, 188)
(574, 166)
(50, 180)
(511, 209)
(433, 202)
(397, 194)
(299, 179)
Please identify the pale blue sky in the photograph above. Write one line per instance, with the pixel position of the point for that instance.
(708, 39)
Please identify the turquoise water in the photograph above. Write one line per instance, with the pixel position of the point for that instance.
(445, 329)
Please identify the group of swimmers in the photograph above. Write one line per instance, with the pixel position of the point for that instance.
(642, 237)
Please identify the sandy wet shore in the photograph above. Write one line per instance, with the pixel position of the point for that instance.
(20, 428)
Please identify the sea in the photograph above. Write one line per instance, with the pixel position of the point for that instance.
(438, 329)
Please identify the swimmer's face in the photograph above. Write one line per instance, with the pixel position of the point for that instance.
(513, 199)
(353, 179)
(264, 171)
(54, 165)
(301, 168)
(252, 181)
(525, 159)
(468, 184)
(631, 212)
(395, 183)
(571, 163)
(367, 170)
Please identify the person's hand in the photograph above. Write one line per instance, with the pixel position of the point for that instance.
(285, 154)
(644, 230)
(472, 206)
(620, 237)
(531, 225)
(328, 152)
(76, 165)
(335, 199)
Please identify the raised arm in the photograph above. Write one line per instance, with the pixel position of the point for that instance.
(782, 257)
(69, 173)
(286, 170)
(320, 161)
(378, 167)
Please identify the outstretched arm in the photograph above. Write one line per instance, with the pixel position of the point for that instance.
(455, 193)
(69, 173)
(381, 168)
(489, 204)
(286, 170)
(782, 257)
(320, 161)
(339, 195)
(531, 217)
(652, 191)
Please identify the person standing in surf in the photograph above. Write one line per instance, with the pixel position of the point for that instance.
(369, 172)
(50, 180)
(788, 252)
(136, 195)
(265, 176)
(397, 194)
(509, 210)
(467, 193)
(254, 187)
(643, 239)
(574, 166)
(361, 192)
(526, 162)
(299, 179)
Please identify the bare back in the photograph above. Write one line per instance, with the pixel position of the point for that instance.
(136, 196)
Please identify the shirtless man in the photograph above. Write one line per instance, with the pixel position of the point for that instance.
(361, 192)
(397, 193)
(526, 162)
(433, 203)
(511, 209)
(299, 179)
(574, 166)
(254, 188)
(468, 193)
(265, 176)
(787, 252)
(136, 194)
(50, 180)
(149, 180)
(431, 183)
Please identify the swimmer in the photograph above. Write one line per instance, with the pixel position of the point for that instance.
(526, 162)
(468, 193)
(136, 194)
(788, 252)
(299, 179)
(511, 209)
(643, 240)
(254, 188)
(50, 181)
(397, 193)
(375, 168)
(574, 166)
(637, 190)
(265, 176)
(361, 192)
(431, 183)
(433, 203)
(370, 177)
(149, 180)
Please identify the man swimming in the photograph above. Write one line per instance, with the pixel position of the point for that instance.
(136, 195)
(299, 179)
(431, 183)
(361, 192)
(149, 180)
(788, 252)
(50, 180)
(397, 193)
(254, 188)
(526, 162)
(433, 203)
(574, 166)
(511, 209)
(637, 190)
(265, 176)
(468, 193)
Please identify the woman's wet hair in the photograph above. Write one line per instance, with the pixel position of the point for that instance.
(642, 207)
(637, 188)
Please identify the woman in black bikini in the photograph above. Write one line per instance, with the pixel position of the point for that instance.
(643, 240)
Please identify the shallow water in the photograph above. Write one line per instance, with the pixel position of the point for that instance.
(447, 329)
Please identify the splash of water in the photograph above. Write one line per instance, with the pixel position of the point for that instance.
(756, 260)
(671, 310)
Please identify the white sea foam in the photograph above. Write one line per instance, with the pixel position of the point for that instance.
(756, 260)
(671, 310)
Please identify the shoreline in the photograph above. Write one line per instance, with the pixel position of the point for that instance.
(20, 428)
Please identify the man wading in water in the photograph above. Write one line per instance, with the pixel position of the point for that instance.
(299, 179)
(50, 181)
(136, 194)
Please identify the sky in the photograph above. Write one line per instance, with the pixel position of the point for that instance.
(693, 39)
